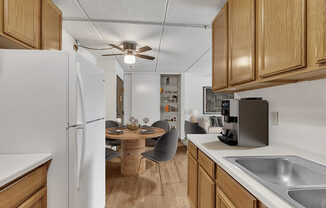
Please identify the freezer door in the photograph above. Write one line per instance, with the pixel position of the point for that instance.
(86, 91)
(87, 187)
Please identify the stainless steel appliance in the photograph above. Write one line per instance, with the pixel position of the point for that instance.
(245, 122)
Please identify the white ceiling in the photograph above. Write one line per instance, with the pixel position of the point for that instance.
(159, 24)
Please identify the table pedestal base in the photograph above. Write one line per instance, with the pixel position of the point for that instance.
(130, 157)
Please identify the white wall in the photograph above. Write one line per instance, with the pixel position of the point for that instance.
(67, 45)
(193, 99)
(111, 70)
(146, 96)
(302, 113)
(142, 96)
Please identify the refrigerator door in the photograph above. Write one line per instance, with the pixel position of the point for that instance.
(86, 90)
(86, 134)
(89, 190)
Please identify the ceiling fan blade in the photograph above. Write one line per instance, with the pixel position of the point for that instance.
(117, 47)
(113, 54)
(145, 56)
(144, 49)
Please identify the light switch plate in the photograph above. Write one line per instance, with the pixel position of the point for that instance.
(274, 118)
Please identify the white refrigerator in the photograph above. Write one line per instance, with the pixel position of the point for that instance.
(54, 102)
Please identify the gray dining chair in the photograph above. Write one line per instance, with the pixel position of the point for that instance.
(112, 142)
(111, 154)
(191, 128)
(164, 150)
(160, 124)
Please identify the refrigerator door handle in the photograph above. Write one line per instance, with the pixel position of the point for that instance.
(80, 160)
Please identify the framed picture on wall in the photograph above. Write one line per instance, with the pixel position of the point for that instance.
(212, 100)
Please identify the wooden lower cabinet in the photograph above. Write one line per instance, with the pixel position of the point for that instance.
(206, 190)
(192, 180)
(222, 201)
(38, 200)
(209, 186)
(28, 191)
(239, 196)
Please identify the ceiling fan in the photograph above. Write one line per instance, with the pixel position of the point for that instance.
(129, 51)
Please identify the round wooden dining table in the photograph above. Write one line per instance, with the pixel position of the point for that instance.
(132, 145)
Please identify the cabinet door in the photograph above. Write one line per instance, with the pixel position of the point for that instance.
(22, 20)
(321, 31)
(38, 200)
(239, 196)
(206, 190)
(281, 36)
(222, 201)
(241, 41)
(51, 26)
(192, 180)
(220, 49)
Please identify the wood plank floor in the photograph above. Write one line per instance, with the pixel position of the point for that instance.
(123, 192)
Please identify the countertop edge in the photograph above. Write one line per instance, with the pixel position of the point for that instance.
(43, 159)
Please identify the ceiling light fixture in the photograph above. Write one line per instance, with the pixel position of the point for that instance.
(129, 59)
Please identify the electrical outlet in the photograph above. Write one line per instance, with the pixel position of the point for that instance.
(274, 118)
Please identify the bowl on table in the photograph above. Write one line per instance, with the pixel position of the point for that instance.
(132, 127)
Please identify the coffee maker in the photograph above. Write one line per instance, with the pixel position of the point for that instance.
(245, 122)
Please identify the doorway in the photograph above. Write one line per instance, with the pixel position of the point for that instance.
(120, 113)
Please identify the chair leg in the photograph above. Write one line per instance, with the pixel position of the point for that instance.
(176, 167)
(159, 171)
(138, 169)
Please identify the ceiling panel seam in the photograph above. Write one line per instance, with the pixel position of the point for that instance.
(198, 59)
(162, 31)
(95, 29)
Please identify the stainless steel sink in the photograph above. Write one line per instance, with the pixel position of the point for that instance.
(313, 198)
(300, 182)
(282, 171)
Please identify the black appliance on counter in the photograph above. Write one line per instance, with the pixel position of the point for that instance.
(245, 122)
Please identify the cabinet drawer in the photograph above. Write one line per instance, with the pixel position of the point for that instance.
(192, 149)
(238, 195)
(207, 164)
(223, 201)
(16, 193)
(38, 200)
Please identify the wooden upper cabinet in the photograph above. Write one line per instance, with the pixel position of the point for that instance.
(192, 180)
(321, 30)
(51, 26)
(241, 20)
(206, 190)
(281, 36)
(22, 21)
(220, 49)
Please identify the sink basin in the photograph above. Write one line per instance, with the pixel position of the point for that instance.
(300, 182)
(313, 198)
(282, 171)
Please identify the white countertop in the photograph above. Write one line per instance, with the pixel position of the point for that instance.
(216, 150)
(13, 166)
